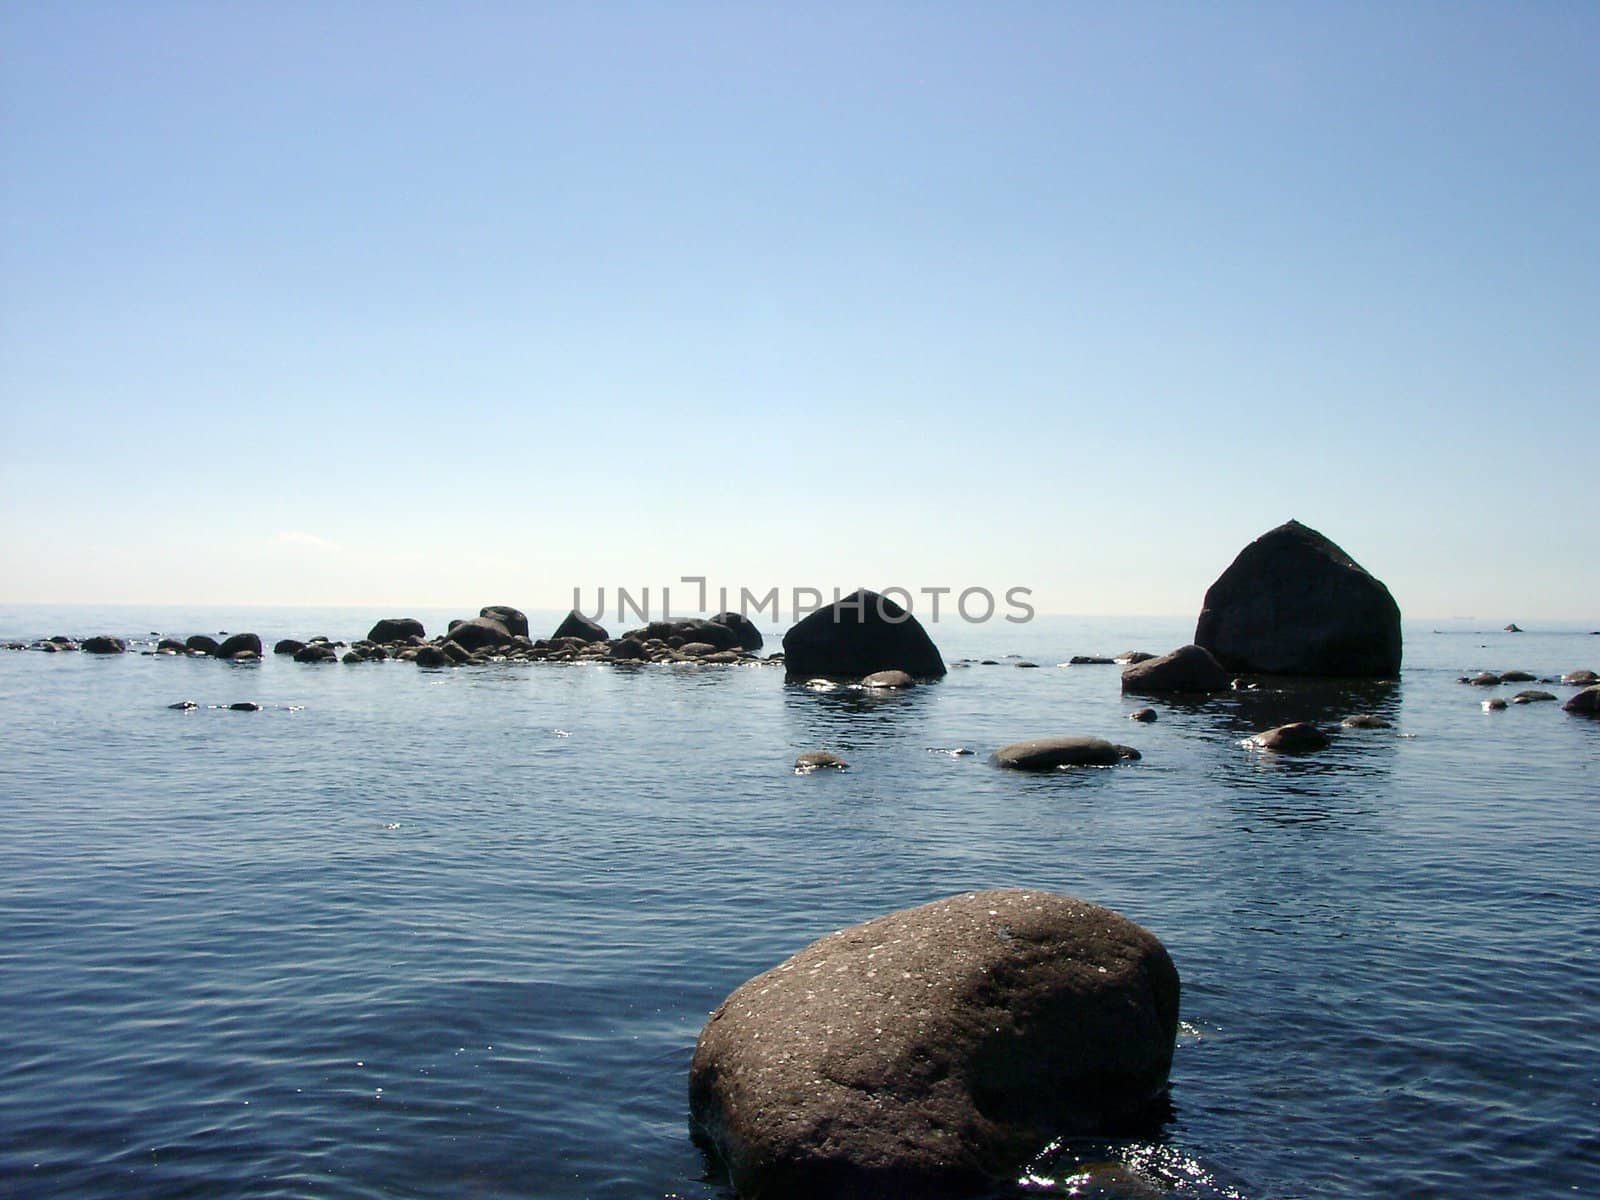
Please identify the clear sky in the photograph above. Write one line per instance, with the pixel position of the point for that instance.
(389, 304)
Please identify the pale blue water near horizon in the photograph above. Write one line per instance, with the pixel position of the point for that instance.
(416, 933)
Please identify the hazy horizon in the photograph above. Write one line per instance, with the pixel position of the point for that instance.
(335, 306)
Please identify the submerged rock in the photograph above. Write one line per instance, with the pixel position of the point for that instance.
(857, 636)
(184, 706)
(1580, 678)
(1531, 697)
(1048, 753)
(1294, 603)
(1365, 721)
(244, 706)
(201, 644)
(288, 646)
(932, 1052)
(1516, 677)
(1132, 657)
(1298, 737)
(816, 760)
(1187, 669)
(1494, 705)
(1142, 714)
(1484, 679)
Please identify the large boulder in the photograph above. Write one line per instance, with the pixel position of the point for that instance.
(1586, 701)
(396, 629)
(1187, 669)
(201, 644)
(855, 637)
(579, 626)
(513, 619)
(932, 1052)
(104, 645)
(1293, 603)
(743, 628)
(480, 633)
(239, 643)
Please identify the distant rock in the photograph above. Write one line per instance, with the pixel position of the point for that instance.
(238, 643)
(1531, 697)
(1580, 678)
(479, 633)
(1513, 628)
(816, 760)
(432, 656)
(576, 625)
(1586, 701)
(1496, 704)
(687, 630)
(104, 645)
(1048, 753)
(201, 644)
(744, 629)
(933, 1052)
(184, 706)
(1131, 657)
(1089, 660)
(1365, 721)
(1293, 603)
(1516, 676)
(856, 636)
(1485, 679)
(174, 644)
(1298, 737)
(696, 649)
(396, 629)
(1027, 665)
(1142, 714)
(315, 652)
(627, 650)
(288, 646)
(1188, 669)
(514, 619)
(244, 706)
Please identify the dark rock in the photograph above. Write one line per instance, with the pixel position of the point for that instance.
(432, 656)
(238, 642)
(315, 652)
(854, 637)
(691, 629)
(1580, 678)
(1298, 737)
(1516, 676)
(1089, 660)
(64, 642)
(396, 629)
(813, 760)
(201, 644)
(352, 657)
(288, 646)
(1485, 679)
(245, 706)
(579, 626)
(1365, 721)
(888, 679)
(1494, 705)
(184, 706)
(744, 629)
(627, 650)
(1186, 669)
(455, 651)
(1142, 714)
(167, 643)
(1531, 697)
(931, 1053)
(479, 633)
(49, 647)
(1132, 657)
(513, 619)
(1586, 701)
(1028, 666)
(1047, 753)
(104, 645)
(1513, 628)
(375, 654)
(696, 649)
(1293, 603)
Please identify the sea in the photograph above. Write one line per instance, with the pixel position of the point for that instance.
(452, 933)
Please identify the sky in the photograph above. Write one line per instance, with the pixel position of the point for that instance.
(388, 304)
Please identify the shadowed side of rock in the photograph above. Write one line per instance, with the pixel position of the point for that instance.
(857, 636)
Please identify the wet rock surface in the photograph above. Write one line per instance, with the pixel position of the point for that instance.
(1070, 750)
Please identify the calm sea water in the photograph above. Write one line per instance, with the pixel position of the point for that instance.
(411, 933)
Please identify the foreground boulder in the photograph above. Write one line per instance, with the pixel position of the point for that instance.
(396, 629)
(857, 636)
(932, 1052)
(1187, 669)
(1048, 753)
(1293, 603)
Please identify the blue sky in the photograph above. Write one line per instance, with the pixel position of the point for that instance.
(393, 304)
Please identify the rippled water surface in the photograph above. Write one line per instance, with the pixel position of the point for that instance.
(412, 933)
